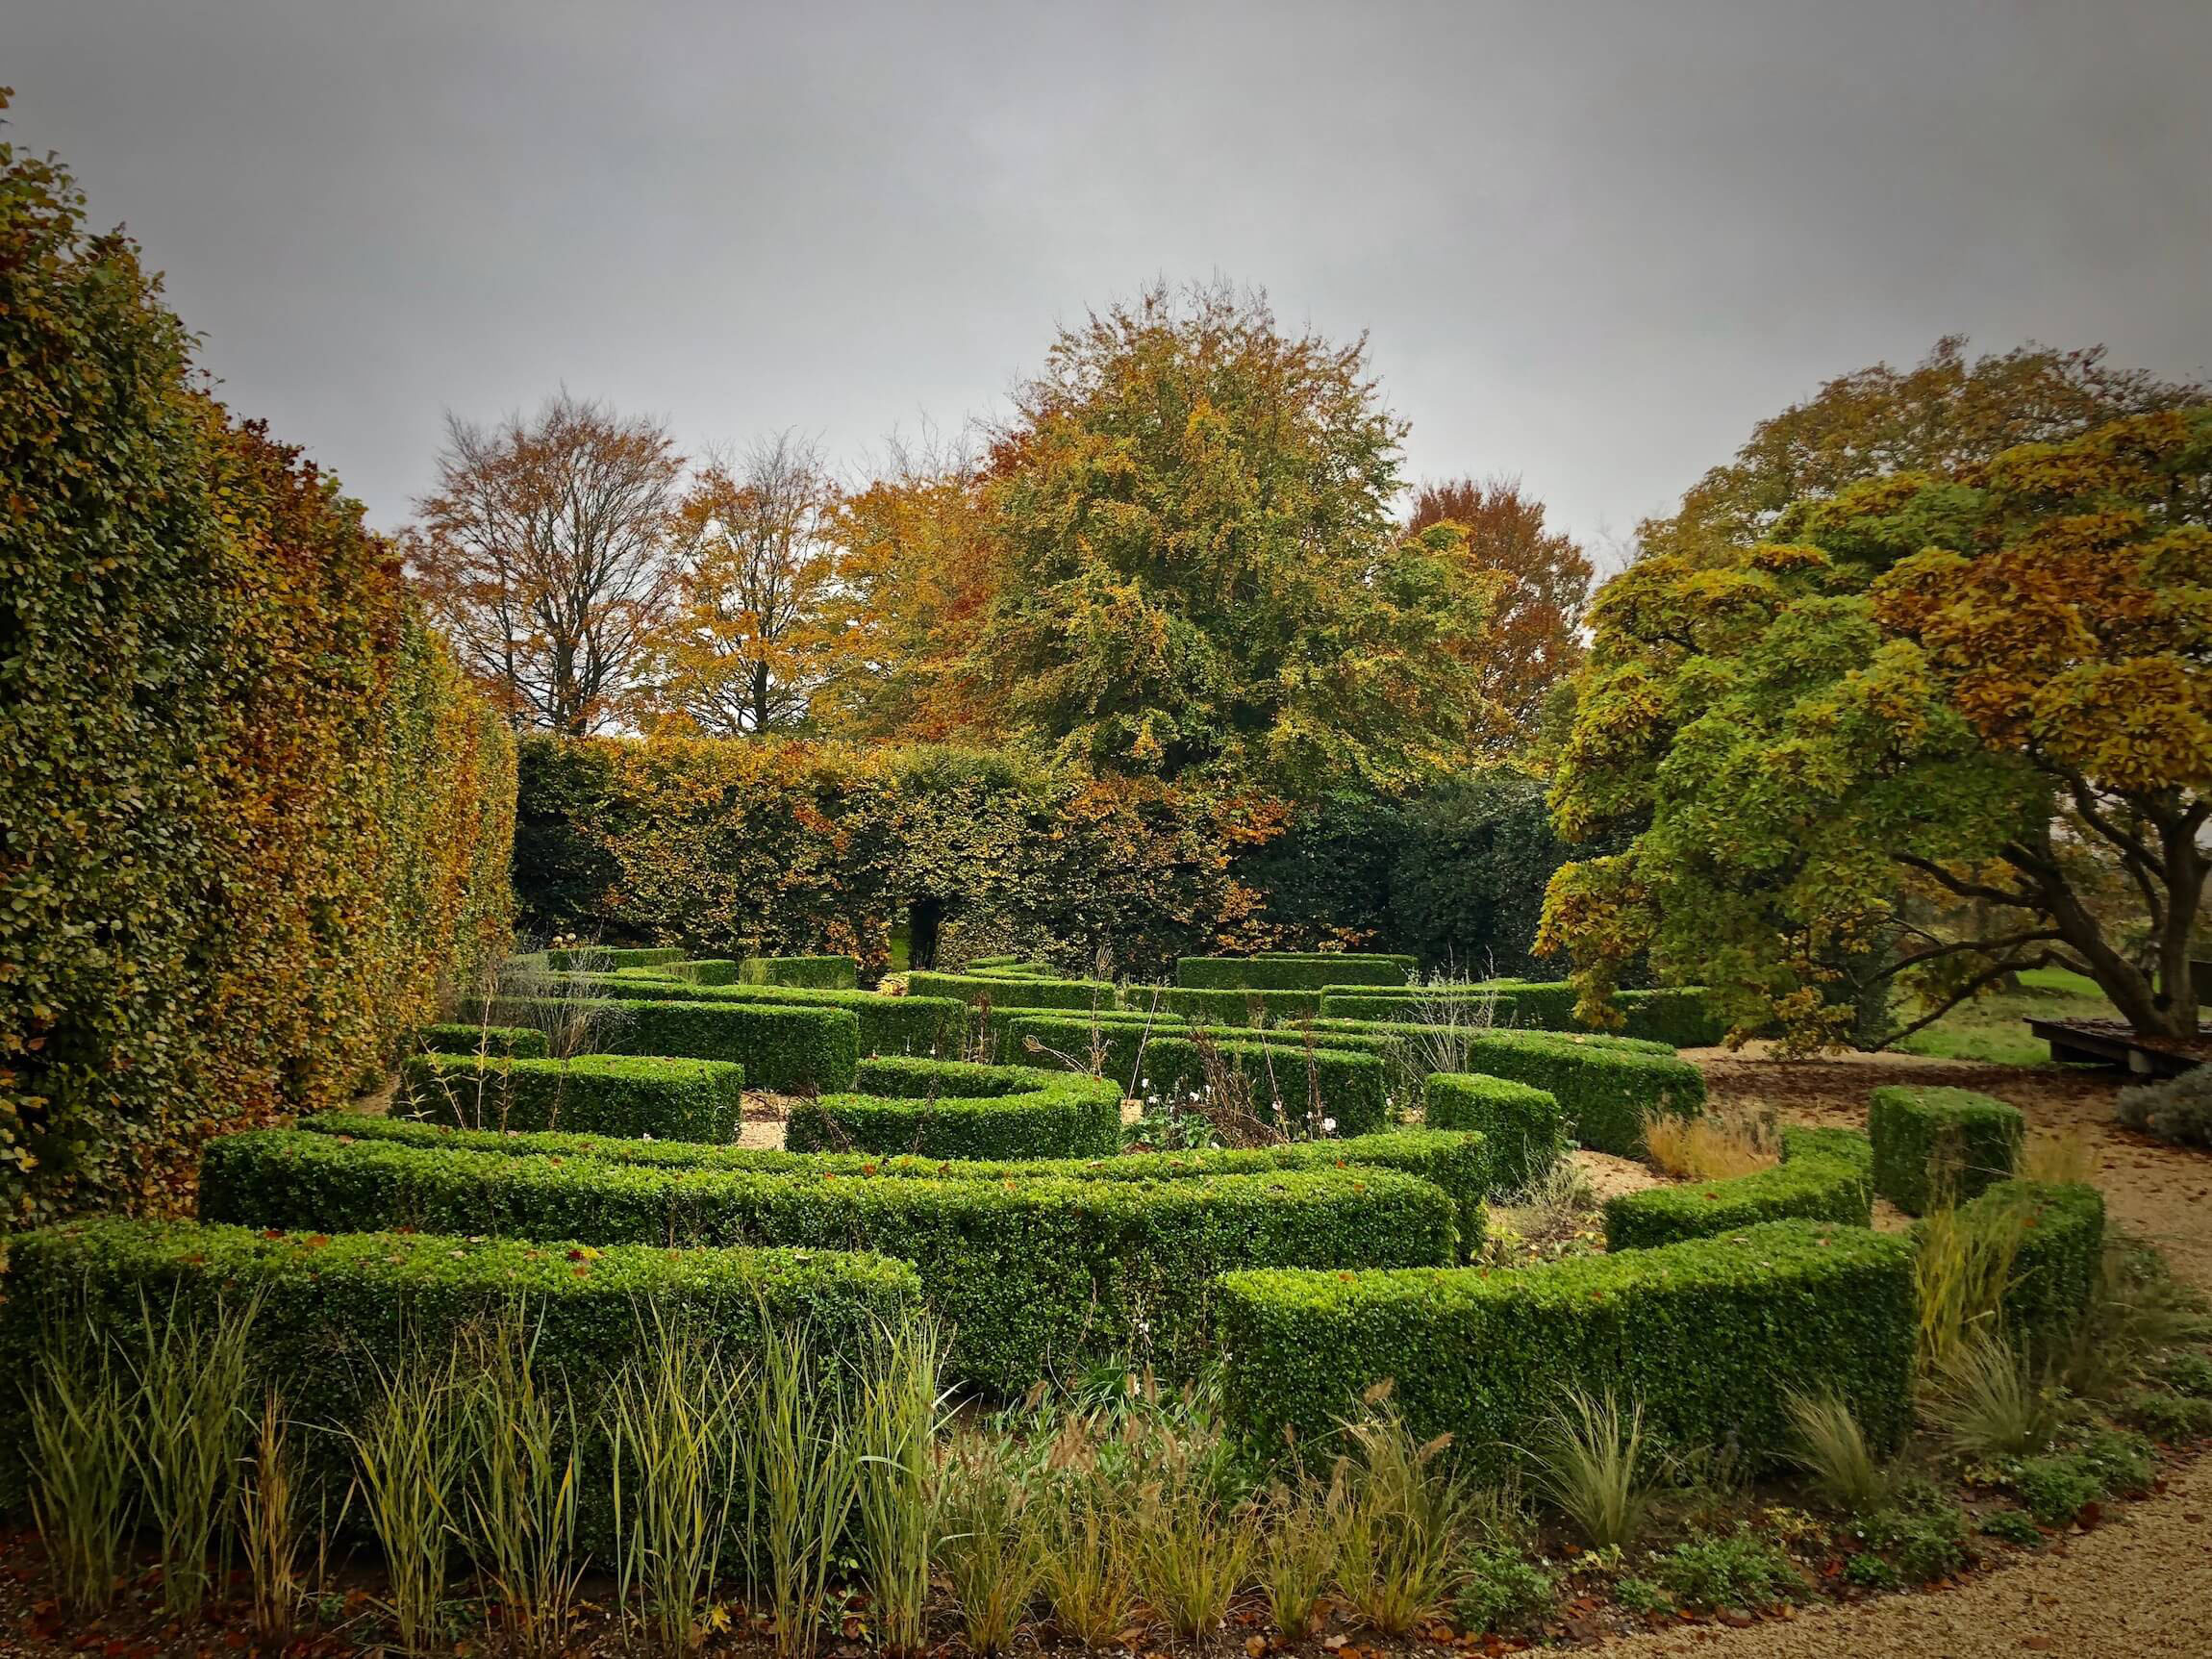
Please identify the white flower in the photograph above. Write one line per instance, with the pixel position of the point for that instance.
(1329, 1125)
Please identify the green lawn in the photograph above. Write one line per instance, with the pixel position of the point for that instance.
(1991, 1029)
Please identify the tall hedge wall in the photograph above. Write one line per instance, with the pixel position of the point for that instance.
(254, 820)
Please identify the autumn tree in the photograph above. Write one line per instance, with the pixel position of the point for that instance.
(917, 572)
(1910, 741)
(750, 639)
(1532, 640)
(544, 553)
(1199, 571)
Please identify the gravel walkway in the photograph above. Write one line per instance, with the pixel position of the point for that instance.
(2141, 1583)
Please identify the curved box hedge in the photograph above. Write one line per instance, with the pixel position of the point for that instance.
(1291, 971)
(791, 1048)
(888, 1024)
(1522, 1126)
(337, 1308)
(1607, 1086)
(593, 1094)
(606, 959)
(1033, 1275)
(1709, 1336)
(806, 972)
(1940, 1143)
(1456, 1161)
(1014, 990)
(1213, 1006)
(1478, 1009)
(947, 1109)
(697, 970)
(1825, 1175)
(514, 1041)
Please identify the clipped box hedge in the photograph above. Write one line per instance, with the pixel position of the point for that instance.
(948, 1109)
(1231, 1007)
(1014, 990)
(1291, 971)
(1709, 1336)
(806, 973)
(515, 1041)
(1825, 1175)
(1478, 1008)
(1676, 1016)
(702, 970)
(922, 1025)
(1948, 1144)
(1035, 1276)
(1605, 1085)
(2060, 1229)
(1522, 1126)
(791, 1048)
(593, 1094)
(1456, 1162)
(607, 958)
(339, 1306)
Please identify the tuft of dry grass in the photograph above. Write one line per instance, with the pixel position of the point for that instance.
(1713, 1147)
(2060, 1155)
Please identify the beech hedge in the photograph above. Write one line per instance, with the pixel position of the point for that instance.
(593, 1094)
(1825, 1175)
(1292, 971)
(1933, 1144)
(1522, 1126)
(337, 1308)
(516, 1042)
(1455, 1160)
(1709, 1336)
(1033, 1275)
(791, 1048)
(948, 1109)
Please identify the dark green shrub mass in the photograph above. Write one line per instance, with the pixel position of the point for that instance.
(791, 1049)
(607, 958)
(1291, 971)
(810, 973)
(1708, 1335)
(947, 1109)
(1522, 1126)
(1033, 1274)
(702, 970)
(1231, 1007)
(590, 1094)
(337, 1307)
(1455, 1005)
(1454, 1161)
(1826, 1175)
(1014, 990)
(1940, 1143)
(514, 1041)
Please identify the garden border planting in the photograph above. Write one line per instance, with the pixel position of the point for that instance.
(1825, 1175)
(950, 1109)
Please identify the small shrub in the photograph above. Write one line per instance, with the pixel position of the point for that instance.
(2178, 1109)
(2055, 1487)
(1927, 1539)
(2168, 1417)
(1590, 1462)
(2125, 1463)
(1871, 1572)
(2187, 1372)
(1501, 1591)
(1643, 1596)
(1739, 1569)
(1831, 1448)
(2013, 1527)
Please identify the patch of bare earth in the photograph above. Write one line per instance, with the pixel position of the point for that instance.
(2141, 1583)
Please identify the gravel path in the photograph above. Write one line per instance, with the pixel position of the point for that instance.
(2141, 1583)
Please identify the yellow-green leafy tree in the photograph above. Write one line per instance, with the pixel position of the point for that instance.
(1982, 693)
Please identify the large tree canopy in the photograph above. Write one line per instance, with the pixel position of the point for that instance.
(1199, 570)
(1986, 694)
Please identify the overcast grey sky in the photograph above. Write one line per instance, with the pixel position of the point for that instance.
(1592, 243)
